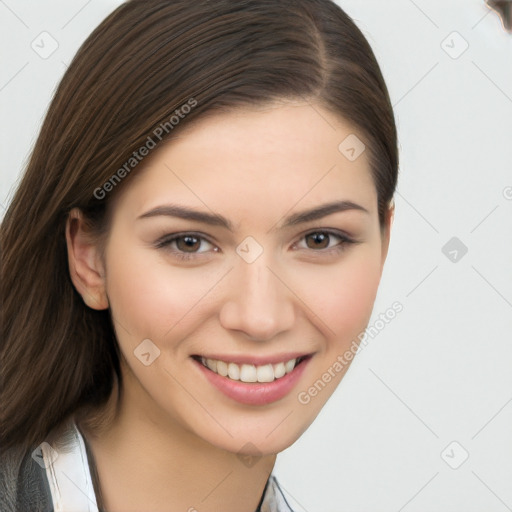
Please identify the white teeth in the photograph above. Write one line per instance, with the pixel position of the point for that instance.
(279, 370)
(290, 365)
(222, 368)
(234, 371)
(265, 373)
(250, 372)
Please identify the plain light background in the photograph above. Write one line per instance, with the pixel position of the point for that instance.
(434, 386)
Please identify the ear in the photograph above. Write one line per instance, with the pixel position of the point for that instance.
(386, 233)
(85, 263)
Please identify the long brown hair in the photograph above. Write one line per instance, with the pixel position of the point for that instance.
(130, 78)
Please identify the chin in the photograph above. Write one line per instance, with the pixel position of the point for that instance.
(262, 437)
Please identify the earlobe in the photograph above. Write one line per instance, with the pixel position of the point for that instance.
(85, 265)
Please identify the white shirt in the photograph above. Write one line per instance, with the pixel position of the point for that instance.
(71, 484)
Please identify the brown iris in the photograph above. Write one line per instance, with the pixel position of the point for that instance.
(319, 237)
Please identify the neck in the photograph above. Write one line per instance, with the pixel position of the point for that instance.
(151, 466)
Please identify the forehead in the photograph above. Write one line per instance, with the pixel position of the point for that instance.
(254, 161)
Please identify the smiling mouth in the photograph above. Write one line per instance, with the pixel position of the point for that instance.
(251, 373)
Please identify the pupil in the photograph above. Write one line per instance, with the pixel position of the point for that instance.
(320, 237)
(190, 241)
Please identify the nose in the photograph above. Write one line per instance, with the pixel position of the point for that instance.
(258, 301)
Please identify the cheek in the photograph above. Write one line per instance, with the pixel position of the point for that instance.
(149, 296)
(343, 296)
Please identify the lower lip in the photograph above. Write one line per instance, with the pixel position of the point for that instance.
(257, 393)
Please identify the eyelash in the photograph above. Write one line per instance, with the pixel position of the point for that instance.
(166, 241)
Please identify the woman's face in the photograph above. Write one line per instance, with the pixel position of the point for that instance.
(256, 283)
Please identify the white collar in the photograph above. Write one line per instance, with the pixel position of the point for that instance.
(68, 475)
(71, 484)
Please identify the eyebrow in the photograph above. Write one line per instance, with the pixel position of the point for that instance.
(214, 219)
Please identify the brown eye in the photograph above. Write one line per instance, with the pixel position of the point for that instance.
(186, 245)
(190, 243)
(318, 240)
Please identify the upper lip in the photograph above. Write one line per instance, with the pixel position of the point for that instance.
(255, 360)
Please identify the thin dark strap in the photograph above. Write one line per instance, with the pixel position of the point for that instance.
(94, 475)
(282, 494)
(258, 508)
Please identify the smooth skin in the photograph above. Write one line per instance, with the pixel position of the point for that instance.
(177, 440)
